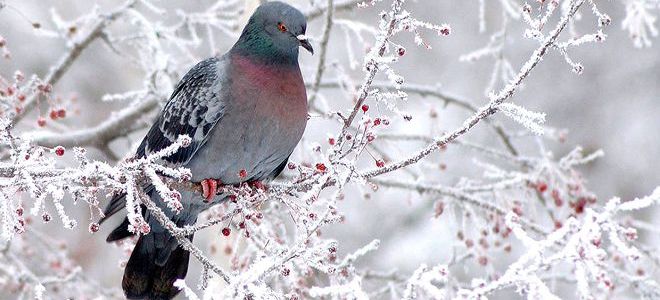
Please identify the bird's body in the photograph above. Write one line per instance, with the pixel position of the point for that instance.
(245, 112)
(260, 129)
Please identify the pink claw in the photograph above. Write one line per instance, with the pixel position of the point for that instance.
(209, 188)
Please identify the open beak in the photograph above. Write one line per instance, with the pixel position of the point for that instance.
(304, 42)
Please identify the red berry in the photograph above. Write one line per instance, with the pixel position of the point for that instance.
(93, 227)
(579, 206)
(365, 107)
(53, 114)
(517, 210)
(41, 122)
(61, 113)
(401, 51)
(483, 260)
(321, 167)
(370, 138)
(439, 208)
(21, 97)
(557, 198)
(541, 186)
(291, 166)
(242, 173)
(331, 141)
(45, 217)
(226, 231)
(377, 122)
(380, 163)
(59, 150)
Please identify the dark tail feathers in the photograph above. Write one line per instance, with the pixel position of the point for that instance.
(145, 277)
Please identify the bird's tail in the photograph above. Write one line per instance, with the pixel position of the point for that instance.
(156, 263)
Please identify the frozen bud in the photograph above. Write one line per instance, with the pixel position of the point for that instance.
(380, 163)
(631, 233)
(185, 140)
(445, 30)
(483, 260)
(45, 88)
(291, 166)
(175, 195)
(144, 228)
(93, 227)
(604, 20)
(45, 217)
(71, 224)
(439, 208)
(3, 42)
(578, 68)
(285, 272)
(18, 76)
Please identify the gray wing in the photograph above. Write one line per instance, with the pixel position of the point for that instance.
(194, 108)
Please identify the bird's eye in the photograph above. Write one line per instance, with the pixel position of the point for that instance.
(281, 27)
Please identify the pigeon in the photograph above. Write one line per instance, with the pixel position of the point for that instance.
(245, 112)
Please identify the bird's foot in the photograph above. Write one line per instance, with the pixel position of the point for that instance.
(209, 188)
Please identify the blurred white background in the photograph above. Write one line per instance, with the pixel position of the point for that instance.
(614, 105)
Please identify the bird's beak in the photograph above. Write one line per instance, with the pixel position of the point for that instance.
(304, 42)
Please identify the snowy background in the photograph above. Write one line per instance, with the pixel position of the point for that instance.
(614, 105)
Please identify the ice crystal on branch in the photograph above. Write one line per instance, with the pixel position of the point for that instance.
(523, 221)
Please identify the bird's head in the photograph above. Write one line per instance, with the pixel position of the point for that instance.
(276, 30)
